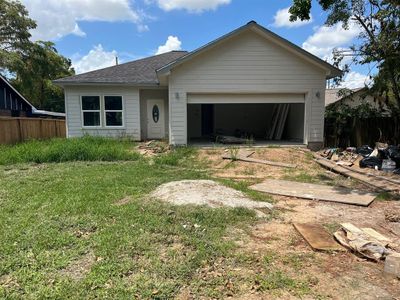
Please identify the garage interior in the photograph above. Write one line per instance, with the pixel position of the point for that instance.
(258, 123)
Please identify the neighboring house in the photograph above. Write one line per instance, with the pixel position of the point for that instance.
(352, 98)
(13, 104)
(231, 86)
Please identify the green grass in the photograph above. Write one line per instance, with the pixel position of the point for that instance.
(64, 237)
(80, 225)
(74, 149)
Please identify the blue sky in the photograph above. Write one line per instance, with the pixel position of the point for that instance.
(93, 32)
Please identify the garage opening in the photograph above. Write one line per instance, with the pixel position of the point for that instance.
(246, 123)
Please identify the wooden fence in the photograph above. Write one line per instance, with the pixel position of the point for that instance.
(15, 130)
(357, 132)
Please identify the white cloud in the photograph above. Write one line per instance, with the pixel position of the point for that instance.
(172, 43)
(97, 58)
(196, 6)
(57, 18)
(325, 39)
(355, 80)
(282, 16)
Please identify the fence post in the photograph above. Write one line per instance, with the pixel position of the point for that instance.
(21, 138)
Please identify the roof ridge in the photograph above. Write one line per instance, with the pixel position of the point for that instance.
(126, 63)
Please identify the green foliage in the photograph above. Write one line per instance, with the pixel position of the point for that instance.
(74, 149)
(40, 65)
(32, 65)
(379, 43)
(14, 31)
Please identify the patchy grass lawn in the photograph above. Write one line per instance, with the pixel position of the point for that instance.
(86, 229)
(81, 226)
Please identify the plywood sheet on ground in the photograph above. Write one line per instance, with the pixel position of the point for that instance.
(317, 237)
(314, 192)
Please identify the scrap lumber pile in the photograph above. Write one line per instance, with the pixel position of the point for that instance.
(280, 113)
(365, 242)
(377, 167)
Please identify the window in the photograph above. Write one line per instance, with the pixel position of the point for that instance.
(91, 111)
(113, 111)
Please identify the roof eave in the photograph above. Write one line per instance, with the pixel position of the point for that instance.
(93, 83)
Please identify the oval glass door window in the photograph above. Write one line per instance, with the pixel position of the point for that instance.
(156, 114)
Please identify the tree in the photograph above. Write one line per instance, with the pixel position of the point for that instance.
(14, 32)
(30, 66)
(40, 65)
(379, 44)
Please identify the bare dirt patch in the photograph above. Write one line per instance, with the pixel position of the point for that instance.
(205, 192)
(275, 243)
(79, 268)
(307, 170)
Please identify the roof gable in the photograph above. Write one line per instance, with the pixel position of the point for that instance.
(331, 71)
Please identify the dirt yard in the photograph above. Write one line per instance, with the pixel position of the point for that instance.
(333, 275)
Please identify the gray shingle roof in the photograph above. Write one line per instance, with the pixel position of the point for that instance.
(334, 95)
(142, 71)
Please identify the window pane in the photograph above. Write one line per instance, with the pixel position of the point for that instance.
(113, 102)
(113, 118)
(90, 102)
(91, 118)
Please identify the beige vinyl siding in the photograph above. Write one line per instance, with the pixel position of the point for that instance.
(131, 112)
(247, 64)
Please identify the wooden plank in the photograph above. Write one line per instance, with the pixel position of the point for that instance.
(275, 117)
(259, 161)
(315, 192)
(245, 152)
(317, 237)
(376, 235)
(377, 183)
(368, 173)
(282, 121)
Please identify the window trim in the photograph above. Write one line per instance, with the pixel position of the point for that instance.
(113, 110)
(102, 111)
(91, 110)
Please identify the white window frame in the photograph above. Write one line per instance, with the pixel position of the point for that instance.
(91, 110)
(113, 110)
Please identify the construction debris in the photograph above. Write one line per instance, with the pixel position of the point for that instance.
(226, 139)
(280, 113)
(317, 237)
(383, 157)
(365, 241)
(378, 183)
(392, 265)
(152, 148)
(315, 192)
(392, 217)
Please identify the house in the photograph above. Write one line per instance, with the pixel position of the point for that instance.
(352, 98)
(249, 82)
(13, 104)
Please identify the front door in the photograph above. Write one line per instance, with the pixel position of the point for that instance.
(155, 119)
